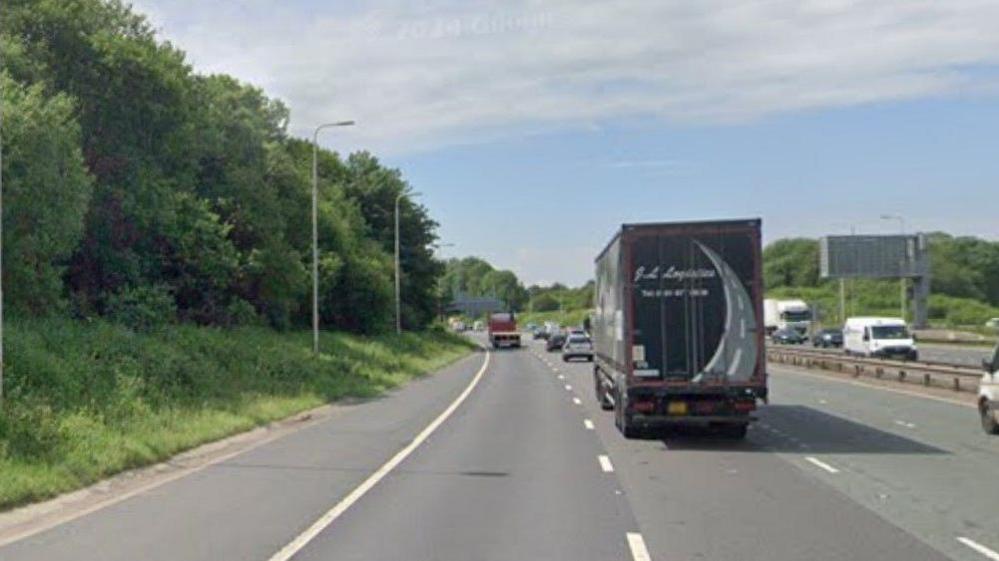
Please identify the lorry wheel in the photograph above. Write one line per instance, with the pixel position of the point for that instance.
(623, 421)
(989, 423)
(735, 431)
(628, 428)
(601, 392)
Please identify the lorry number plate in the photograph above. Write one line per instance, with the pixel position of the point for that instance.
(677, 408)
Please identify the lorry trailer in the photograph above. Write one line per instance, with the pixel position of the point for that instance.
(503, 330)
(678, 331)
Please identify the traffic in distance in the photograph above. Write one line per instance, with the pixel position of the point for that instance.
(677, 338)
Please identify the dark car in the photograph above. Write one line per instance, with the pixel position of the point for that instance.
(787, 337)
(555, 342)
(828, 338)
(577, 346)
(539, 333)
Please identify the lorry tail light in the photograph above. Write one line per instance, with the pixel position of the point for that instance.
(705, 407)
(745, 406)
(644, 406)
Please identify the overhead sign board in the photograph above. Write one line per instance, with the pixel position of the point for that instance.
(900, 256)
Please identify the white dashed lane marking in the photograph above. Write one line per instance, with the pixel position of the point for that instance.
(637, 546)
(822, 465)
(988, 553)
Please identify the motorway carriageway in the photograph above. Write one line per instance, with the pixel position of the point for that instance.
(506, 456)
(929, 352)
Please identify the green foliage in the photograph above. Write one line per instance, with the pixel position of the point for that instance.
(791, 262)
(88, 400)
(142, 308)
(560, 297)
(46, 192)
(375, 189)
(473, 276)
(965, 267)
(143, 173)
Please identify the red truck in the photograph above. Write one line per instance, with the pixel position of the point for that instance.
(503, 330)
(678, 331)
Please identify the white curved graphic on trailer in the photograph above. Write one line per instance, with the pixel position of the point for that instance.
(736, 354)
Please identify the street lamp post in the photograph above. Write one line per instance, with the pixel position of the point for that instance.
(1, 256)
(315, 229)
(398, 287)
(902, 283)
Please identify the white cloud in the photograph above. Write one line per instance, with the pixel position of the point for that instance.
(421, 74)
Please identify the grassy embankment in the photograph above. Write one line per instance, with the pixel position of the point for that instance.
(85, 401)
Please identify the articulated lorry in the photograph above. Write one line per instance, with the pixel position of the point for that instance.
(678, 331)
(503, 330)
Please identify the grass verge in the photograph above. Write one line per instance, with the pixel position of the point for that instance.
(85, 401)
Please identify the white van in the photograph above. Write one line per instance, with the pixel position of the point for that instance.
(988, 394)
(879, 337)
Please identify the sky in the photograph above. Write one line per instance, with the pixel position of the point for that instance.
(534, 128)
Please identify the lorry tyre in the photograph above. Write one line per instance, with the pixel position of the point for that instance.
(988, 413)
(735, 431)
(623, 420)
(601, 392)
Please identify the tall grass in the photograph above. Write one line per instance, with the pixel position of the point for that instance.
(86, 400)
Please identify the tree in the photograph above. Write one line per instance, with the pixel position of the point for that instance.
(376, 188)
(46, 191)
(791, 262)
(185, 192)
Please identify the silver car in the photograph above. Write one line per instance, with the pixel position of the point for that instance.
(577, 346)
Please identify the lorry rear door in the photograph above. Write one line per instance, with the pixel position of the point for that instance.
(693, 310)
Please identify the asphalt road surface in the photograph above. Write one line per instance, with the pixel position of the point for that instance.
(528, 467)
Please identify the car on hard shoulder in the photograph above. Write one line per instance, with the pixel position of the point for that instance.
(828, 339)
(988, 394)
(577, 346)
(788, 337)
(555, 341)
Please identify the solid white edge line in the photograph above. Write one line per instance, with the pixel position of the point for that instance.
(588, 424)
(303, 539)
(822, 465)
(994, 556)
(637, 546)
(605, 464)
